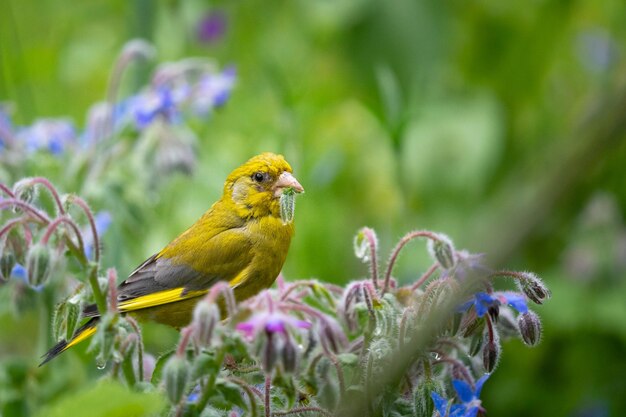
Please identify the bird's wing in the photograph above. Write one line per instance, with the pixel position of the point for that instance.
(190, 272)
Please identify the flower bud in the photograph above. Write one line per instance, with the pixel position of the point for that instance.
(66, 318)
(529, 328)
(25, 191)
(289, 354)
(442, 250)
(205, 316)
(287, 205)
(423, 405)
(7, 262)
(38, 264)
(270, 350)
(491, 351)
(362, 243)
(533, 287)
(176, 376)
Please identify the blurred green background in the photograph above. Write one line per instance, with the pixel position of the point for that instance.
(500, 123)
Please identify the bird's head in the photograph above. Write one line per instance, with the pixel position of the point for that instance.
(256, 186)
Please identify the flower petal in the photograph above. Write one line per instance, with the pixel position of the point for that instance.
(466, 394)
(479, 384)
(441, 404)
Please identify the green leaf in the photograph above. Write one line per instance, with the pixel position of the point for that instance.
(106, 399)
(158, 368)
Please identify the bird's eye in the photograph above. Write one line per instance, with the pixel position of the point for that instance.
(258, 176)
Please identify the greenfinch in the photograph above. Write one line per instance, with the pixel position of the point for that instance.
(241, 239)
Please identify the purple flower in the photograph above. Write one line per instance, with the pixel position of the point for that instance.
(212, 27)
(53, 135)
(483, 301)
(103, 221)
(470, 399)
(270, 323)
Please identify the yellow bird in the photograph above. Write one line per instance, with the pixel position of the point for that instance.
(240, 239)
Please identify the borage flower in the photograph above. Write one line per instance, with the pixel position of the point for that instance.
(213, 90)
(152, 104)
(270, 322)
(469, 397)
(275, 345)
(482, 302)
(53, 135)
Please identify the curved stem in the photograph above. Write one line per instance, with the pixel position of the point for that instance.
(425, 276)
(13, 202)
(396, 251)
(6, 190)
(48, 185)
(92, 223)
(133, 323)
(250, 392)
(373, 246)
(55, 224)
(303, 410)
(268, 382)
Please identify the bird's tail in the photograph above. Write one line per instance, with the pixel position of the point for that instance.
(84, 332)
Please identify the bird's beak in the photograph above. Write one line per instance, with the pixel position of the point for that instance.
(286, 180)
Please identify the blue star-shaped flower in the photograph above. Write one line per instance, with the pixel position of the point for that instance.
(483, 301)
(469, 397)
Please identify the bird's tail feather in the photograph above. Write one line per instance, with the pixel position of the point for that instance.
(84, 332)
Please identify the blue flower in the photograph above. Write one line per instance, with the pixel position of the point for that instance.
(20, 273)
(103, 221)
(213, 91)
(6, 127)
(470, 399)
(152, 104)
(53, 135)
(514, 299)
(483, 301)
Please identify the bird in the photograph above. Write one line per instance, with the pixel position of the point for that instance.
(241, 239)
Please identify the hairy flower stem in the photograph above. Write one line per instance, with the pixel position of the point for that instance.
(425, 276)
(92, 223)
(127, 363)
(112, 281)
(268, 383)
(56, 223)
(10, 224)
(133, 323)
(37, 214)
(250, 392)
(339, 369)
(459, 366)
(317, 410)
(6, 190)
(53, 191)
(396, 251)
(97, 291)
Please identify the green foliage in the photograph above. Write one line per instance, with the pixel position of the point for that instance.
(497, 122)
(106, 399)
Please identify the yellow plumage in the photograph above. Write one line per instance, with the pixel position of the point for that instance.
(241, 239)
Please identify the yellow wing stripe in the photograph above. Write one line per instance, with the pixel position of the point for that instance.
(84, 335)
(158, 298)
